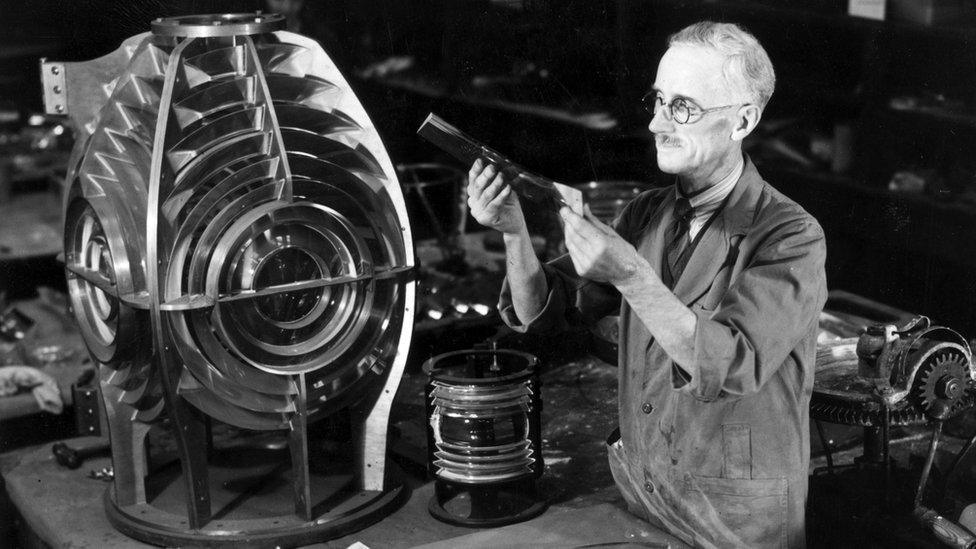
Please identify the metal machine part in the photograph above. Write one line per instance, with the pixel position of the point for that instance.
(945, 530)
(237, 248)
(88, 409)
(483, 437)
(940, 388)
(896, 376)
(889, 376)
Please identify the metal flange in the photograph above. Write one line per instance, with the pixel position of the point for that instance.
(218, 24)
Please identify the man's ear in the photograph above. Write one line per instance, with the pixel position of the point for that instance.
(746, 119)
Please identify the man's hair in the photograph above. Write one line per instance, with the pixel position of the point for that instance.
(747, 66)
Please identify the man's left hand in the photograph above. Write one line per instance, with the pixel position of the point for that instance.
(597, 251)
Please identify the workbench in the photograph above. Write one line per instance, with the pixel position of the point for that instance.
(64, 508)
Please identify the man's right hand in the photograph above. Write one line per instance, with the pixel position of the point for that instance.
(492, 202)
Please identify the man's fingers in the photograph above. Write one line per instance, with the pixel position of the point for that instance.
(479, 168)
(501, 197)
(477, 184)
(570, 217)
(474, 178)
(486, 176)
(475, 169)
(493, 188)
(485, 195)
(580, 225)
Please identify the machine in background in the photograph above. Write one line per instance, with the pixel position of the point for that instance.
(907, 373)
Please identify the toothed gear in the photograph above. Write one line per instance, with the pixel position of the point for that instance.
(943, 377)
(940, 386)
(864, 414)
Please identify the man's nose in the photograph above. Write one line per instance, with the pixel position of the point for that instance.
(660, 123)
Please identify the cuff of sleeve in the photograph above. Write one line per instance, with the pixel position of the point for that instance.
(697, 379)
(546, 320)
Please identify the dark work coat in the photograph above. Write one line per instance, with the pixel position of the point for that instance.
(715, 452)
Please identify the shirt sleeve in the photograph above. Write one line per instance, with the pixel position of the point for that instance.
(768, 309)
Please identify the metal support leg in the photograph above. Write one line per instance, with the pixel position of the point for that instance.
(298, 445)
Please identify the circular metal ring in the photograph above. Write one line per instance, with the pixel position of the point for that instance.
(108, 327)
(222, 24)
(332, 315)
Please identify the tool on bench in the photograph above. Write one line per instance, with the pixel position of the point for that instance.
(73, 458)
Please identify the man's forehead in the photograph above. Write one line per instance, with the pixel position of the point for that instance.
(691, 71)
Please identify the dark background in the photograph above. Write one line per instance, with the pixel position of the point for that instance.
(522, 75)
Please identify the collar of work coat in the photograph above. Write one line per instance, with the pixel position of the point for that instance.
(720, 239)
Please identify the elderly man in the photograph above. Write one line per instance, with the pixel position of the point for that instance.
(718, 281)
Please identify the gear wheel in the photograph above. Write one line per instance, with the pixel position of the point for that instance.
(942, 379)
(865, 414)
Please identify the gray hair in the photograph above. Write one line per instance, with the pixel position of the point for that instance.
(747, 66)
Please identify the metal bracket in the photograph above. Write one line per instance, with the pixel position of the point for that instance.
(53, 84)
(87, 410)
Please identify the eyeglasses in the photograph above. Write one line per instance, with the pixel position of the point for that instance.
(680, 110)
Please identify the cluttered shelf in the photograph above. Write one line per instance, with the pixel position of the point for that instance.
(848, 184)
(911, 249)
(919, 221)
(912, 17)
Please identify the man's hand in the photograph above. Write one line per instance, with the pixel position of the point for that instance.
(597, 251)
(492, 202)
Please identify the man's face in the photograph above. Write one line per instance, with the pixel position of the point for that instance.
(694, 150)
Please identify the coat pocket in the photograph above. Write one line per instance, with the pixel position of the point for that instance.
(740, 512)
(736, 451)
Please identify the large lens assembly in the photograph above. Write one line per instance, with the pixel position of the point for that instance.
(236, 244)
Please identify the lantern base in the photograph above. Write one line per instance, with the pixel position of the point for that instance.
(256, 509)
(485, 505)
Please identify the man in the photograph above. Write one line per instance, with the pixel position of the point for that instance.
(718, 281)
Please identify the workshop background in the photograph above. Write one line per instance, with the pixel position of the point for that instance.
(872, 129)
